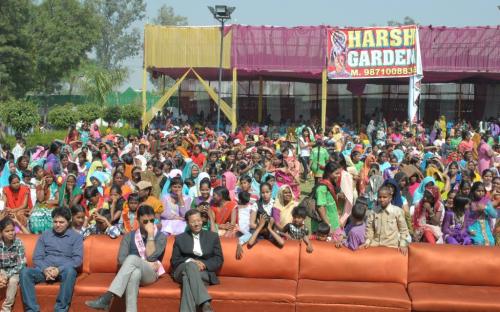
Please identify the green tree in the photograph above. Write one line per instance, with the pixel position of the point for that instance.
(98, 82)
(166, 17)
(63, 116)
(21, 115)
(132, 113)
(119, 40)
(112, 113)
(89, 112)
(63, 31)
(406, 21)
(16, 62)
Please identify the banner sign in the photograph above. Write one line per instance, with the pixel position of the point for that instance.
(372, 52)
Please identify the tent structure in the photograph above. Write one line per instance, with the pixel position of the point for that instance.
(265, 53)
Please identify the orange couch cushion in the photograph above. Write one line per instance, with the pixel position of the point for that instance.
(103, 254)
(456, 298)
(263, 260)
(327, 263)
(459, 265)
(254, 289)
(388, 295)
(29, 242)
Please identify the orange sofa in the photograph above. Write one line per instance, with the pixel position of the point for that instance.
(430, 278)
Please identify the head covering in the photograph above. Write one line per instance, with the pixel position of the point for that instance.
(400, 155)
(285, 210)
(419, 193)
(423, 164)
(201, 176)
(231, 181)
(93, 167)
(63, 195)
(187, 171)
(397, 200)
(142, 185)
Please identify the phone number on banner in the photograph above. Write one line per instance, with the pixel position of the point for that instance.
(381, 72)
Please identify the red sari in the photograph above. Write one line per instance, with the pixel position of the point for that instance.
(15, 200)
(223, 214)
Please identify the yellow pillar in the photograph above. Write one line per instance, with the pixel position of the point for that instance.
(359, 111)
(324, 95)
(144, 99)
(261, 91)
(234, 122)
(460, 101)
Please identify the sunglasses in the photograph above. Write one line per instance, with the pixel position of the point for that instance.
(148, 221)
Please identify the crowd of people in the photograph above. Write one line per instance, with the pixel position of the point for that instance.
(388, 184)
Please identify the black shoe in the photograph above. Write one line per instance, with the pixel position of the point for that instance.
(206, 307)
(101, 303)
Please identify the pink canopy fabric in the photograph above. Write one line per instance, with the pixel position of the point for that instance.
(299, 54)
(268, 49)
(450, 53)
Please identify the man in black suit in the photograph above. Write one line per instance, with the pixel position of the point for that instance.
(196, 257)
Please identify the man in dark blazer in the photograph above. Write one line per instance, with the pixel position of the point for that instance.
(196, 257)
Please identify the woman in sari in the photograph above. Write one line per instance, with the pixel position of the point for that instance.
(176, 205)
(326, 200)
(222, 207)
(72, 138)
(480, 217)
(69, 193)
(426, 184)
(119, 180)
(8, 170)
(95, 166)
(363, 175)
(229, 181)
(428, 217)
(53, 163)
(47, 198)
(284, 204)
(348, 194)
(455, 221)
(288, 173)
(17, 199)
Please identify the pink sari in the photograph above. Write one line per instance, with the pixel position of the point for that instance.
(283, 178)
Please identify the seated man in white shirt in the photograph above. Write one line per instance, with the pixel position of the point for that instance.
(196, 257)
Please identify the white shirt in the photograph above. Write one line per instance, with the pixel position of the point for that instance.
(196, 245)
(244, 213)
(305, 150)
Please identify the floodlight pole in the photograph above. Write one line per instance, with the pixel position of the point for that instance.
(220, 73)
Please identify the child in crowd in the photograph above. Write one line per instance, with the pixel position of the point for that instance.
(386, 225)
(243, 216)
(128, 220)
(265, 230)
(322, 233)
(356, 229)
(246, 186)
(102, 225)
(79, 221)
(207, 216)
(297, 230)
(12, 260)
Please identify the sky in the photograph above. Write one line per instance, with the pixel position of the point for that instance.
(458, 13)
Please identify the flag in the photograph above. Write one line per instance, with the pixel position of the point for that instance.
(415, 84)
